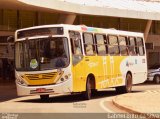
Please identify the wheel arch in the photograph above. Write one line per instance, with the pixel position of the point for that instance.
(129, 72)
(92, 79)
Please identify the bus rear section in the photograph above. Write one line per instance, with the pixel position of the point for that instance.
(107, 59)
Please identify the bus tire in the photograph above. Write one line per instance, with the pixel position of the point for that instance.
(44, 97)
(128, 85)
(156, 79)
(94, 91)
(88, 92)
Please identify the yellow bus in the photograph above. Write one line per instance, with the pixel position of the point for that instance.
(68, 59)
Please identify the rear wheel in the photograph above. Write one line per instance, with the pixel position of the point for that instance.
(88, 92)
(156, 79)
(44, 97)
(128, 85)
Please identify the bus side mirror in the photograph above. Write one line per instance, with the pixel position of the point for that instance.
(10, 39)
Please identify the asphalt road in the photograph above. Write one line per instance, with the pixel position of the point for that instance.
(100, 103)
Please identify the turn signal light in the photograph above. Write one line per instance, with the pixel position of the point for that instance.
(66, 76)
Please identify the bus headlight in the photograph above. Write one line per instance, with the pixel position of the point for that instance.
(21, 82)
(63, 78)
(66, 77)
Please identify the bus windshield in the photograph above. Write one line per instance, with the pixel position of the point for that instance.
(42, 54)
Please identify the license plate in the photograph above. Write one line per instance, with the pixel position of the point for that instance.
(41, 90)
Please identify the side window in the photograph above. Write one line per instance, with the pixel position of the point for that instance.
(88, 43)
(75, 39)
(123, 45)
(132, 46)
(101, 44)
(113, 48)
(140, 46)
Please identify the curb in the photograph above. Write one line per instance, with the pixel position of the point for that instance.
(132, 111)
(123, 107)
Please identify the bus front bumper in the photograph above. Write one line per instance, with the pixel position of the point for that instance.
(62, 88)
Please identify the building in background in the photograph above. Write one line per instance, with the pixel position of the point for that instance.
(129, 15)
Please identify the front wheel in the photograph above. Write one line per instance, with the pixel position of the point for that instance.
(128, 85)
(87, 93)
(44, 97)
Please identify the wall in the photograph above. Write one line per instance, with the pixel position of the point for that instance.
(10, 20)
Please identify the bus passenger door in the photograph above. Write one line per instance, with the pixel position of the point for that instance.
(77, 61)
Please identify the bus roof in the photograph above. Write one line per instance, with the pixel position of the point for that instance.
(85, 28)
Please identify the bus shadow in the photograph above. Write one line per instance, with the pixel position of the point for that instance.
(150, 83)
(7, 91)
(5, 98)
(73, 98)
(147, 83)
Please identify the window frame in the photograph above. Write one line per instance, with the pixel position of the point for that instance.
(137, 46)
(129, 45)
(126, 41)
(105, 44)
(115, 35)
(73, 48)
(93, 45)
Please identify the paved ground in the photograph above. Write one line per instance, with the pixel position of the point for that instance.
(146, 102)
(143, 99)
(60, 104)
(101, 103)
(7, 91)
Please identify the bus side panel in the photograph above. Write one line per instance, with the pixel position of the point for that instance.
(137, 66)
(139, 69)
(93, 66)
(114, 75)
(79, 77)
(118, 75)
(102, 72)
(114, 71)
(107, 71)
(90, 65)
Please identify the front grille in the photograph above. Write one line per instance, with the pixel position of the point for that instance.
(42, 84)
(42, 76)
